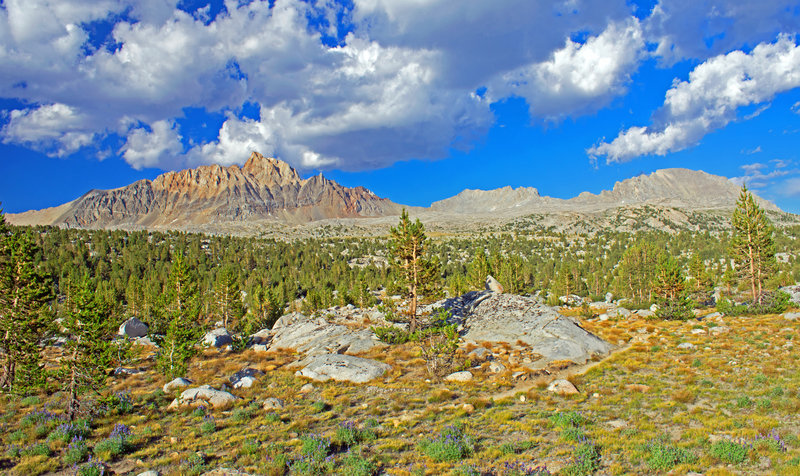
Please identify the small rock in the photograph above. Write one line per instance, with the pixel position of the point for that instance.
(217, 338)
(273, 403)
(644, 313)
(216, 398)
(126, 371)
(496, 367)
(245, 378)
(145, 341)
(481, 353)
(133, 327)
(720, 330)
(149, 473)
(654, 308)
(603, 317)
(698, 331)
(686, 345)
(522, 398)
(307, 388)
(463, 376)
(493, 285)
(259, 347)
(791, 316)
(176, 383)
(468, 407)
(562, 387)
(609, 297)
(517, 375)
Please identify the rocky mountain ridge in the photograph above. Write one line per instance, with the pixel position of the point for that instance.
(263, 189)
(266, 194)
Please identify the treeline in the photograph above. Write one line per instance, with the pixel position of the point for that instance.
(130, 270)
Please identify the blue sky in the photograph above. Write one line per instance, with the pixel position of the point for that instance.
(414, 99)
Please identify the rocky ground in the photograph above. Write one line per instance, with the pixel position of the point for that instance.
(532, 390)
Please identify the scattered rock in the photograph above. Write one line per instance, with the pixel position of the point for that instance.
(481, 353)
(698, 331)
(608, 298)
(126, 371)
(686, 345)
(342, 368)
(791, 316)
(318, 336)
(654, 308)
(468, 407)
(492, 317)
(149, 473)
(720, 330)
(307, 388)
(245, 378)
(259, 347)
(133, 327)
(496, 367)
(273, 403)
(493, 285)
(176, 383)
(463, 376)
(793, 292)
(219, 337)
(216, 398)
(644, 313)
(562, 387)
(145, 341)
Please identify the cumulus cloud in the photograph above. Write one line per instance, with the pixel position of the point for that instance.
(56, 128)
(151, 148)
(710, 99)
(580, 77)
(362, 85)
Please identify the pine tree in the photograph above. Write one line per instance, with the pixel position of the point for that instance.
(478, 270)
(419, 275)
(228, 298)
(752, 244)
(25, 291)
(636, 271)
(670, 290)
(183, 327)
(88, 351)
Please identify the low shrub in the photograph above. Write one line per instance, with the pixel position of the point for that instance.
(729, 451)
(662, 456)
(452, 444)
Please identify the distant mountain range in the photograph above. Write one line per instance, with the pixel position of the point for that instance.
(269, 190)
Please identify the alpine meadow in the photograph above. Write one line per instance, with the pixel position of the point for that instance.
(399, 238)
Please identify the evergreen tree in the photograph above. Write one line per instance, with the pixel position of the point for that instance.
(183, 327)
(752, 244)
(419, 274)
(671, 291)
(478, 270)
(88, 351)
(25, 291)
(228, 298)
(636, 271)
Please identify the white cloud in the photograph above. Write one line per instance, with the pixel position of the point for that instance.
(791, 187)
(578, 77)
(710, 99)
(153, 148)
(401, 85)
(57, 128)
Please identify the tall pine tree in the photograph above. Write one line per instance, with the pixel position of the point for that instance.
(88, 351)
(182, 312)
(752, 245)
(25, 292)
(420, 275)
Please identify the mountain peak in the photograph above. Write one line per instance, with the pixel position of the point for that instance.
(270, 171)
